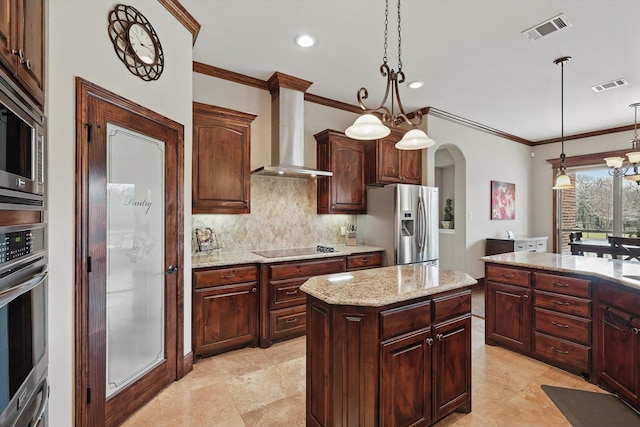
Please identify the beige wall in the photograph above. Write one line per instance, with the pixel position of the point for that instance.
(78, 45)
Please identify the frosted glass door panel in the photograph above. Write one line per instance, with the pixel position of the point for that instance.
(135, 256)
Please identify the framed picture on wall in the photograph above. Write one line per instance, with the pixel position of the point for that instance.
(503, 200)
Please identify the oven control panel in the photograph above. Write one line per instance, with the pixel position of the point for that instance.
(17, 242)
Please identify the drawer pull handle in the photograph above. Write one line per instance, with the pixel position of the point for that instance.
(254, 290)
(560, 285)
(229, 276)
(525, 296)
(291, 292)
(365, 260)
(559, 325)
(508, 276)
(291, 320)
(561, 303)
(429, 341)
(439, 336)
(635, 331)
(557, 350)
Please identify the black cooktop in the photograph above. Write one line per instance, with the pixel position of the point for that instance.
(279, 253)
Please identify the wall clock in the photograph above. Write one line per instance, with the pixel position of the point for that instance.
(136, 42)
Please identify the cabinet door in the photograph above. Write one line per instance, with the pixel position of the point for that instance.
(411, 166)
(508, 315)
(618, 352)
(7, 34)
(405, 382)
(221, 160)
(388, 160)
(451, 366)
(30, 40)
(347, 183)
(225, 317)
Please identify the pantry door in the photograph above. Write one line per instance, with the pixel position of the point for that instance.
(132, 238)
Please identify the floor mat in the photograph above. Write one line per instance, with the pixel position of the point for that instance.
(591, 409)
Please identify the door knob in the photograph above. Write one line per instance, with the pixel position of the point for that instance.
(172, 269)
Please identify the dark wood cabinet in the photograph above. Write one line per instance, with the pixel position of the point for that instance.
(618, 342)
(363, 261)
(508, 307)
(344, 192)
(528, 244)
(385, 164)
(420, 373)
(283, 310)
(225, 309)
(221, 160)
(22, 44)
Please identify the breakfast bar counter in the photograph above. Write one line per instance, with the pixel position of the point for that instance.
(388, 346)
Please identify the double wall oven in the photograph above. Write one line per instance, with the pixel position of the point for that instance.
(24, 391)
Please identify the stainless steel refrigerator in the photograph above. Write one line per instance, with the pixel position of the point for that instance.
(403, 219)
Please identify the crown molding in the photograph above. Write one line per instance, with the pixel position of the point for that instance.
(183, 16)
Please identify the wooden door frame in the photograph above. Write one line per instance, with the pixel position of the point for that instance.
(86, 90)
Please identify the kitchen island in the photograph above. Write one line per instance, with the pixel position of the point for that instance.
(579, 313)
(388, 346)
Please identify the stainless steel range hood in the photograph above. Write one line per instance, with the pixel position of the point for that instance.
(287, 129)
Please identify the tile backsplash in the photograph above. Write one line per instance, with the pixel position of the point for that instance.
(283, 215)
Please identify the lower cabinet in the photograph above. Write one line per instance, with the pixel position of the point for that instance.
(225, 309)
(618, 342)
(420, 373)
(508, 318)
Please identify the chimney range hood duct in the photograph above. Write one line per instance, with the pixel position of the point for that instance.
(287, 129)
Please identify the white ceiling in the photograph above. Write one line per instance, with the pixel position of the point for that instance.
(471, 55)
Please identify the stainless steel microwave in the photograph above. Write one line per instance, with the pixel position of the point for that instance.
(22, 150)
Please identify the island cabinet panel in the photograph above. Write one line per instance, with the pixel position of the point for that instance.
(390, 365)
(508, 316)
(221, 160)
(282, 308)
(405, 385)
(618, 342)
(225, 309)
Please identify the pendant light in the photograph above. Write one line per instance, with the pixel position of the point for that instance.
(370, 127)
(562, 180)
(616, 164)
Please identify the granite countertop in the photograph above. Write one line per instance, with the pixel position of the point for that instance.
(230, 258)
(385, 285)
(609, 269)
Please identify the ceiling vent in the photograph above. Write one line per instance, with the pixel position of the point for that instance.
(609, 85)
(547, 27)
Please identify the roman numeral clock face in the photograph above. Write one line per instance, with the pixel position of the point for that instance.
(136, 42)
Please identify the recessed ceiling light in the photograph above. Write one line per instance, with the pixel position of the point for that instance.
(415, 84)
(305, 40)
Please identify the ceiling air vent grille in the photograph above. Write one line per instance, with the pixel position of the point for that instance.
(609, 85)
(547, 27)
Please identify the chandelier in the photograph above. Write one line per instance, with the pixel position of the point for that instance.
(562, 180)
(368, 126)
(616, 164)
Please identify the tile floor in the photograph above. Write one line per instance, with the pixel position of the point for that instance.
(265, 387)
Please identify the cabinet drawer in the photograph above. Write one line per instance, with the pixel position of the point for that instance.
(360, 261)
(562, 284)
(563, 303)
(397, 321)
(620, 298)
(285, 293)
(511, 276)
(563, 326)
(300, 269)
(288, 322)
(225, 276)
(450, 306)
(562, 351)
(541, 246)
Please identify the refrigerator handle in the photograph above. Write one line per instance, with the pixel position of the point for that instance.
(421, 223)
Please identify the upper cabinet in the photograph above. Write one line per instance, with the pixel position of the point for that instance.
(22, 44)
(221, 160)
(388, 165)
(344, 192)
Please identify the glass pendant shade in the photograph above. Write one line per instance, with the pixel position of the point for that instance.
(415, 139)
(563, 182)
(634, 157)
(614, 162)
(634, 177)
(367, 127)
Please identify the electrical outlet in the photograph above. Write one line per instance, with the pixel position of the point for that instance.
(343, 231)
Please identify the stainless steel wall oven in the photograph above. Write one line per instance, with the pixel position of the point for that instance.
(22, 150)
(23, 325)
